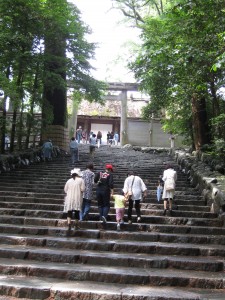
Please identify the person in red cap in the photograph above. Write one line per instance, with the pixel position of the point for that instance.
(104, 191)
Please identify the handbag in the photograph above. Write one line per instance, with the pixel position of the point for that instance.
(169, 184)
(129, 194)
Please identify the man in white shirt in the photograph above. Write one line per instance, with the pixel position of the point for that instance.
(135, 186)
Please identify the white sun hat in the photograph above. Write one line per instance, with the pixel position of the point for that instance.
(76, 171)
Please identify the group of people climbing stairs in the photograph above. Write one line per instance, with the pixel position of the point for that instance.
(178, 256)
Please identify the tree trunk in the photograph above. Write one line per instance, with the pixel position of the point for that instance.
(30, 115)
(20, 130)
(200, 122)
(55, 96)
(13, 130)
(3, 127)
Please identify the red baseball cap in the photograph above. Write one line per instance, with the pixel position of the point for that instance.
(110, 167)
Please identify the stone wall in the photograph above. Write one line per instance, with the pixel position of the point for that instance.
(59, 136)
(139, 134)
(207, 180)
(210, 183)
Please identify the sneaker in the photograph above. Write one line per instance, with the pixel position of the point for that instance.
(118, 226)
(129, 222)
(139, 219)
(122, 222)
(103, 219)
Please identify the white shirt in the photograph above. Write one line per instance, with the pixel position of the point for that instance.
(137, 189)
(74, 189)
(169, 173)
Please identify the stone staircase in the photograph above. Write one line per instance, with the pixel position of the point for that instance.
(163, 257)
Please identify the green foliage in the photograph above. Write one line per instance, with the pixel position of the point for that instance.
(28, 29)
(175, 62)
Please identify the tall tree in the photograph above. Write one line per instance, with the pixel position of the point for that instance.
(67, 55)
(175, 65)
(42, 46)
(19, 25)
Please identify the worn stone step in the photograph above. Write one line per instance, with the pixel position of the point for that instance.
(31, 189)
(151, 206)
(53, 211)
(25, 235)
(173, 245)
(30, 199)
(81, 272)
(100, 242)
(186, 229)
(185, 200)
(39, 217)
(158, 228)
(159, 237)
(48, 288)
(158, 211)
(159, 205)
(42, 180)
(140, 261)
(33, 194)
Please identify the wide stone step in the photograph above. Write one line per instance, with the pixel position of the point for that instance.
(39, 217)
(140, 261)
(186, 229)
(103, 243)
(58, 188)
(166, 228)
(194, 205)
(31, 189)
(158, 211)
(58, 183)
(33, 194)
(52, 288)
(113, 274)
(25, 236)
(53, 211)
(163, 257)
(184, 208)
(185, 200)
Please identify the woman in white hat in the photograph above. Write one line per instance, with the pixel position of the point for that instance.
(74, 189)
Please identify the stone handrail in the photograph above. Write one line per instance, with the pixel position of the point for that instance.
(210, 183)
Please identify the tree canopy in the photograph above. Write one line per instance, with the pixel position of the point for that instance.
(180, 65)
(43, 46)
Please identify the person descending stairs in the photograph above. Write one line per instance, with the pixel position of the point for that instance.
(162, 257)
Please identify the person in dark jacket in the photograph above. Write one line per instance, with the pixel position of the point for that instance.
(104, 191)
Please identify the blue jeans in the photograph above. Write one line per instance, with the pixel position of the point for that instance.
(74, 155)
(85, 208)
(78, 138)
(103, 198)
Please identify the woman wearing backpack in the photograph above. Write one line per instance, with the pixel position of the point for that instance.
(169, 178)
